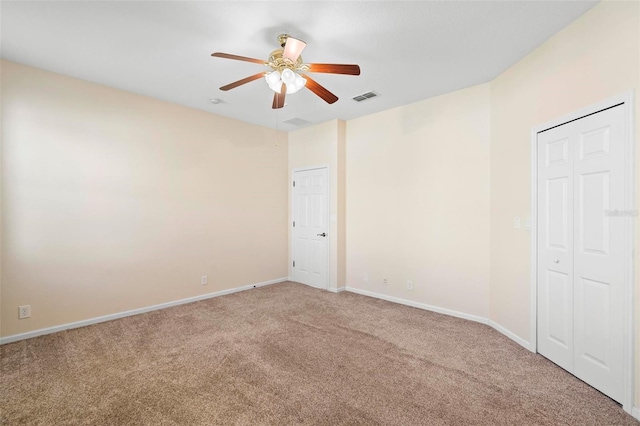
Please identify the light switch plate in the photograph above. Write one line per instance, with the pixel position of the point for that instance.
(516, 223)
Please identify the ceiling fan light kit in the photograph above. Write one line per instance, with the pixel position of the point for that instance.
(287, 65)
(293, 81)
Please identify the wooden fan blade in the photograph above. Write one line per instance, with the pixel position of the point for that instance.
(243, 81)
(293, 48)
(278, 98)
(238, 58)
(319, 90)
(335, 69)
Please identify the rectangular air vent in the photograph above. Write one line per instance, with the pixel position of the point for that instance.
(297, 122)
(365, 96)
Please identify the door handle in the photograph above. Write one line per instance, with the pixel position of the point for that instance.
(556, 260)
(324, 234)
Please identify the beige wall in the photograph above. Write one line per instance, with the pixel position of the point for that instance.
(114, 201)
(324, 145)
(341, 210)
(593, 59)
(418, 201)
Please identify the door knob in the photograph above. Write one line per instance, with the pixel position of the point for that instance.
(556, 260)
(324, 234)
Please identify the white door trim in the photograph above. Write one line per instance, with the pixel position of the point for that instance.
(627, 99)
(293, 209)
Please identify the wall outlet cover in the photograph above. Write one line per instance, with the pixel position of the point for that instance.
(24, 311)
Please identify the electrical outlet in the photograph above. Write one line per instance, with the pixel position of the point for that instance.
(24, 311)
(204, 280)
(409, 285)
(384, 281)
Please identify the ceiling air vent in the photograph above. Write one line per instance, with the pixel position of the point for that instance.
(365, 96)
(297, 122)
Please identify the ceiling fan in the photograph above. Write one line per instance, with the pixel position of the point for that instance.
(287, 67)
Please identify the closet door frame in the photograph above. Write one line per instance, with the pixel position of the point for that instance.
(627, 101)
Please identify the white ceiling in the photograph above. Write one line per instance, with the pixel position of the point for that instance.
(407, 51)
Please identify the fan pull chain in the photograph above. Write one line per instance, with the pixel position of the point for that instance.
(277, 132)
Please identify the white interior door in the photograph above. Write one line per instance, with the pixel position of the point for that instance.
(599, 252)
(555, 245)
(581, 248)
(310, 227)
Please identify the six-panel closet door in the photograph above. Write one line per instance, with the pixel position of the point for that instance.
(580, 257)
(310, 227)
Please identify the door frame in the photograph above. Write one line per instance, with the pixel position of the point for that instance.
(627, 99)
(327, 216)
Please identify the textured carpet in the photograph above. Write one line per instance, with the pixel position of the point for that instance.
(290, 354)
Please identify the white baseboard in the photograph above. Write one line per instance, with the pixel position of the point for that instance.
(445, 311)
(519, 340)
(635, 412)
(110, 317)
(418, 305)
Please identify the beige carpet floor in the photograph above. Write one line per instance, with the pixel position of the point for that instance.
(290, 354)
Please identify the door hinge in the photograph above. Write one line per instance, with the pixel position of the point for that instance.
(294, 223)
(294, 183)
(294, 263)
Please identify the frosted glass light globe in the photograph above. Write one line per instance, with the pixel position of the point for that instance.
(272, 78)
(288, 76)
(276, 87)
(300, 82)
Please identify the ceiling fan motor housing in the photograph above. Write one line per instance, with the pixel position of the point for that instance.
(279, 63)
